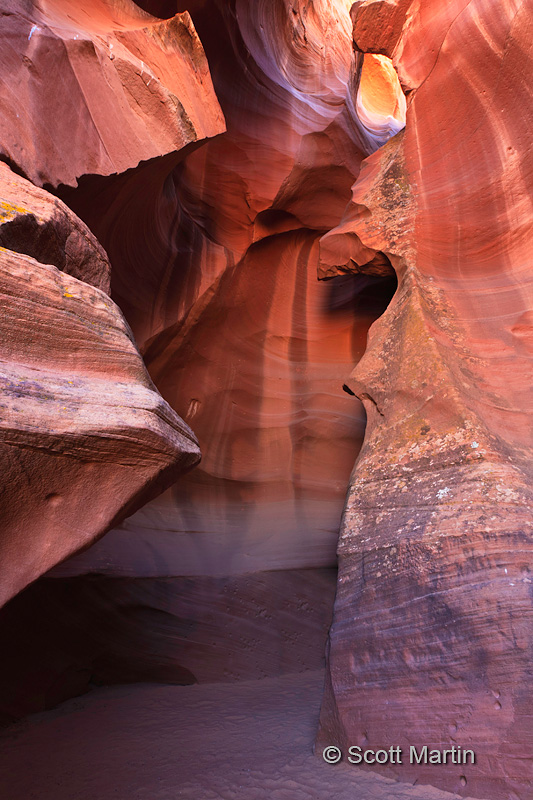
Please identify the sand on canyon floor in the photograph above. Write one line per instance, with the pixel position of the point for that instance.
(240, 741)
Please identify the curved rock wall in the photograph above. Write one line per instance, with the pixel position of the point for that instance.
(431, 639)
(85, 437)
(214, 252)
(237, 333)
(217, 220)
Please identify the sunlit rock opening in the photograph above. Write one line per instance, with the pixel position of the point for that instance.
(381, 104)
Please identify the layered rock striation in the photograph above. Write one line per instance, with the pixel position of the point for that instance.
(95, 89)
(431, 638)
(214, 253)
(92, 630)
(84, 436)
(215, 265)
(36, 224)
(216, 186)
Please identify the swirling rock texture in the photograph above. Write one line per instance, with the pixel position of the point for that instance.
(86, 439)
(215, 255)
(432, 633)
(79, 412)
(237, 333)
(217, 221)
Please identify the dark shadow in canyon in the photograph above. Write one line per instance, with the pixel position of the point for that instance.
(164, 9)
(64, 635)
(367, 297)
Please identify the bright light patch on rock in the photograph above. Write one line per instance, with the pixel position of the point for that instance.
(381, 104)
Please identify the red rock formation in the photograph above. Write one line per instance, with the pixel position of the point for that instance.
(381, 109)
(92, 89)
(96, 88)
(237, 333)
(211, 249)
(84, 437)
(431, 641)
(36, 224)
(215, 251)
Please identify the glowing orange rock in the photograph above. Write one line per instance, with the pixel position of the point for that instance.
(433, 620)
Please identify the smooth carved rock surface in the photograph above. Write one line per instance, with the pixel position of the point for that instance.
(432, 633)
(84, 436)
(215, 266)
(215, 251)
(381, 108)
(95, 88)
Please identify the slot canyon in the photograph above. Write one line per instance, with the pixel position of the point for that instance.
(266, 368)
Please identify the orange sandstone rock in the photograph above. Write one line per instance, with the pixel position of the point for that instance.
(96, 88)
(36, 224)
(433, 619)
(215, 265)
(85, 438)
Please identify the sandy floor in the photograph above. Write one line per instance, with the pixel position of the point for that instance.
(247, 741)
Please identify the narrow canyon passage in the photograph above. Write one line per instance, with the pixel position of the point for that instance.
(215, 252)
(266, 398)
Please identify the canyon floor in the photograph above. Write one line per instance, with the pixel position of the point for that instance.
(245, 741)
